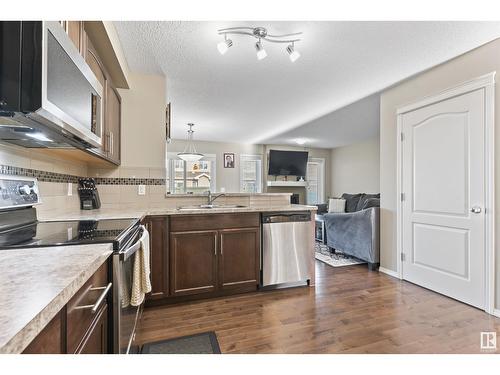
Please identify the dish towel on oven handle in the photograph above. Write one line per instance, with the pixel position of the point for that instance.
(141, 283)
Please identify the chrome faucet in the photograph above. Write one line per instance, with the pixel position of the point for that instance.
(211, 200)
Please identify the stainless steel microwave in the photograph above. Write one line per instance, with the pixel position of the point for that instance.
(49, 97)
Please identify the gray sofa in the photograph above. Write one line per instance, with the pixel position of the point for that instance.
(356, 232)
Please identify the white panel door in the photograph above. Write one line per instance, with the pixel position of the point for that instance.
(443, 179)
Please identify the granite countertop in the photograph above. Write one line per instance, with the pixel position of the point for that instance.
(139, 214)
(36, 283)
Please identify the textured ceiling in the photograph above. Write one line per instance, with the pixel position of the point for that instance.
(237, 98)
(350, 124)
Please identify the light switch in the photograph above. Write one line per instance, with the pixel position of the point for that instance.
(70, 189)
(141, 190)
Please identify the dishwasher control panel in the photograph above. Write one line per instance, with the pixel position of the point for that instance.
(285, 217)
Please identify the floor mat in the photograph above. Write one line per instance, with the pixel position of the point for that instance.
(201, 343)
(337, 259)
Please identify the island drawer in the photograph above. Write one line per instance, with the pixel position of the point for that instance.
(80, 315)
(180, 223)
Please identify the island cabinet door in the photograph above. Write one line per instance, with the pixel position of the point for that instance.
(96, 340)
(193, 262)
(157, 227)
(239, 260)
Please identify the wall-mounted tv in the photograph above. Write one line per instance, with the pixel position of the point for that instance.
(287, 163)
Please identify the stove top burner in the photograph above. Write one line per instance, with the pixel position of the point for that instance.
(56, 233)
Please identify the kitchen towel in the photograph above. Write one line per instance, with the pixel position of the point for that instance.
(141, 283)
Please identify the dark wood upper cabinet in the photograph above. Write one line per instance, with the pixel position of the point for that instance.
(193, 262)
(112, 122)
(157, 227)
(239, 260)
(76, 33)
(111, 131)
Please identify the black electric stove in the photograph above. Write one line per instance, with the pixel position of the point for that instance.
(57, 233)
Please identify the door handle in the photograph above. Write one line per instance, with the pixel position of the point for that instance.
(476, 210)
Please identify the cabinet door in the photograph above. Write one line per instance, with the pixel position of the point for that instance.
(193, 266)
(158, 241)
(76, 34)
(50, 340)
(96, 340)
(112, 122)
(239, 260)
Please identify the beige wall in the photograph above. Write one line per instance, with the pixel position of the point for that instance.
(228, 178)
(143, 122)
(478, 62)
(356, 168)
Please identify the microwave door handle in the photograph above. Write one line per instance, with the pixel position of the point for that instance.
(127, 253)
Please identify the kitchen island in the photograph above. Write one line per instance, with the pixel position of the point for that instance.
(37, 283)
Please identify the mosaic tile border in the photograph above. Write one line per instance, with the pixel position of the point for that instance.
(40, 175)
(65, 178)
(128, 181)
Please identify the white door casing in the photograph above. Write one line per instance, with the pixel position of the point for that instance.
(315, 178)
(445, 172)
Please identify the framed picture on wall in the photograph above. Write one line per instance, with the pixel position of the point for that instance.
(167, 122)
(228, 160)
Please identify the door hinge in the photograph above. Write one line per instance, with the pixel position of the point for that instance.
(402, 136)
(403, 257)
(402, 197)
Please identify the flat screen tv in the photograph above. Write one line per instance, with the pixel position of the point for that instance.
(287, 163)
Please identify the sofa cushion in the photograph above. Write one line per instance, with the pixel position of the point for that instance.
(351, 201)
(363, 198)
(322, 208)
(371, 202)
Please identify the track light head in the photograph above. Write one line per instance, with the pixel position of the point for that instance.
(261, 52)
(224, 45)
(293, 54)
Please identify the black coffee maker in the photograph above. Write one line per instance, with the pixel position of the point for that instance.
(89, 196)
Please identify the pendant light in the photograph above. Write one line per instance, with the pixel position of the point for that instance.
(189, 153)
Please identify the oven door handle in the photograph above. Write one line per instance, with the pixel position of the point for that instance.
(127, 253)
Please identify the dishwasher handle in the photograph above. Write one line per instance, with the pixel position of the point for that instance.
(285, 217)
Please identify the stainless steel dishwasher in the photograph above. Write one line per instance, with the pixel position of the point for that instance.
(287, 248)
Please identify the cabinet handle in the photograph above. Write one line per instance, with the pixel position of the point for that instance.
(215, 247)
(93, 308)
(112, 142)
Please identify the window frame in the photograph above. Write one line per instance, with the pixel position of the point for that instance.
(170, 183)
(259, 180)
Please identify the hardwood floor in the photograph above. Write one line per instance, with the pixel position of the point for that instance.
(351, 310)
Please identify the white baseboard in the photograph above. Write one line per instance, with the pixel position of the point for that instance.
(496, 312)
(389, 272)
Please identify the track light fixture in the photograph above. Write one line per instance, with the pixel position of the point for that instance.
(224, 45)
(293, 54)
(260, 33)
(261, 52)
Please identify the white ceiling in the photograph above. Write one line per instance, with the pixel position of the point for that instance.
(350, 124)
(236, 98)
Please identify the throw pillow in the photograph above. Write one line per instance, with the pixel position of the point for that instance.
(371, 202)
(363, 198)
(351, 201)
(336, 205)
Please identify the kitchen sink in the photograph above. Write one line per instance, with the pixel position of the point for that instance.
(210, 207)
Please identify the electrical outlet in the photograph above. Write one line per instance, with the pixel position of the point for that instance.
(70, 189)
(141, 190)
